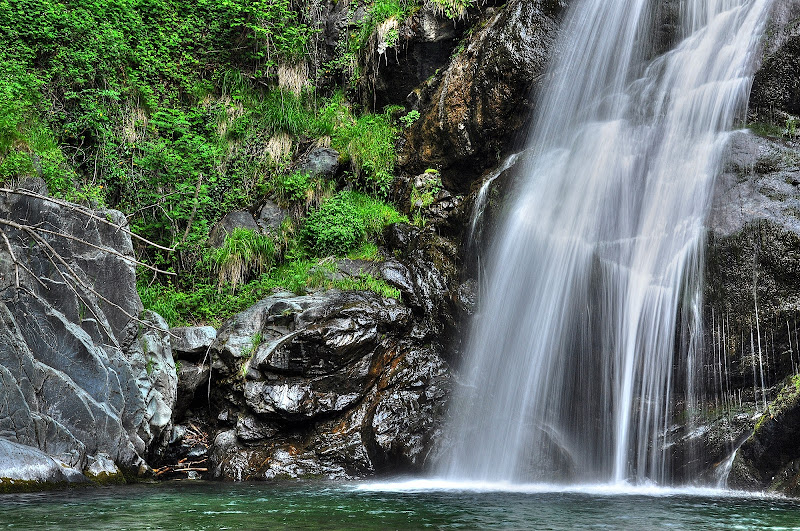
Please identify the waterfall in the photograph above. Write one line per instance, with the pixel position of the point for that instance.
(586, 334)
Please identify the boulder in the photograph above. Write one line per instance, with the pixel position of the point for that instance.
(318, 162)
(68, 389)
(24, 468)
(191, 342)
(770, 457)
(231, 221)
(270, 217)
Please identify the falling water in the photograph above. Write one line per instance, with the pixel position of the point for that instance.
(571, 366)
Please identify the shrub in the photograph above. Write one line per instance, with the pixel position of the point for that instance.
(335, 228)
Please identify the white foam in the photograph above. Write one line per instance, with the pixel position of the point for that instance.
(597, 489)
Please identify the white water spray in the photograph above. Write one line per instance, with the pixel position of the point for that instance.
(571, 360)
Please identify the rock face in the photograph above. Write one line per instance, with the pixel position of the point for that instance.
(776, 87)
(324, 384)
(69, 390)
(752, 298)
(401, 56)
(471, 111)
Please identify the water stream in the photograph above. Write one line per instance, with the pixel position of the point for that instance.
(587, 331)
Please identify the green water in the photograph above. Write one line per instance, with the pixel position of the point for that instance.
(317, 505)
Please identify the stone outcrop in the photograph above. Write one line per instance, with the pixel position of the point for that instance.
(324, 384)
(471, 111)
(752, 298)
(69, 381)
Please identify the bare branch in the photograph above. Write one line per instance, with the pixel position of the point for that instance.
(83, 284)
(86, 212)
(101, 248)
(13, 259)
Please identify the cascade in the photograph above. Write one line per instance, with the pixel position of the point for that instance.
(586, 335)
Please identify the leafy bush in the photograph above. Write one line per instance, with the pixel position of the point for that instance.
(293, 186)
(452, 8)
(343, 221)
(335, 228)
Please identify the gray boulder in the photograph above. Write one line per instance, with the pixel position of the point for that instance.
(319, 162)
(191, 342)
(68, 389)
(270, 217)
(231, 221)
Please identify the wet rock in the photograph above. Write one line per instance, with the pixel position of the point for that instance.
(752, 258)
(250, 428)
(775, 95)
(752, 295)
(404, 419)
(769, 458)
(191, 342)
(471, 111)
(231, 221)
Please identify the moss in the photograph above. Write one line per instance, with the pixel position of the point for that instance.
(106, 478)
(11, 485)
(787, 398)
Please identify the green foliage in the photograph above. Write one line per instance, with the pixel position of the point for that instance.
(293, 186)
(343, 221)
(255, 342)
(369, 283)
(368, 142)
(452, 8)
(242, 253)
(410, 117)
(791, 128)
(204, 303)
(422, 197)
(378, 12)
(335, 228)
(164, 109)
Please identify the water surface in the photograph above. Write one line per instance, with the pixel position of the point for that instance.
(410, 505)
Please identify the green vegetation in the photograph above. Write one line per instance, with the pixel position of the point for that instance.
(243, 252)
(177, 113)
(787, 398)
